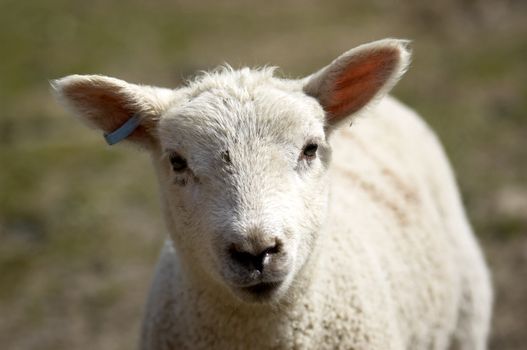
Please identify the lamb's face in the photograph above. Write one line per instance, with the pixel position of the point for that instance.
(243, 176)
(241, 157)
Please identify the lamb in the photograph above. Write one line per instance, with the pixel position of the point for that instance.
(288, 229)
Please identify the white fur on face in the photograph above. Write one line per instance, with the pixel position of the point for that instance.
(248, 194)
(242, 134)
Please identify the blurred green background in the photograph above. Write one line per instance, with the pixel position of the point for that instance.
(80, 226)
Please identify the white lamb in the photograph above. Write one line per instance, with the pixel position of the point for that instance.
(264, 250)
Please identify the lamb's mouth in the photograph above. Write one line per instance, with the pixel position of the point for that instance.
(262, 291)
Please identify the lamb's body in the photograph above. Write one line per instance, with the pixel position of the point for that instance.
(396, 266)
(274, 245)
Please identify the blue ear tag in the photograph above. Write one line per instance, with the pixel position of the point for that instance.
(123, 131)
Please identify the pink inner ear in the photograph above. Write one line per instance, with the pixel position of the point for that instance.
(360, 81)
(104, 106)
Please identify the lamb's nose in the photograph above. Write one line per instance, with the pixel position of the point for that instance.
(254, 261)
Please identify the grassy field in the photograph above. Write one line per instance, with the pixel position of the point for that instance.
(80, 226)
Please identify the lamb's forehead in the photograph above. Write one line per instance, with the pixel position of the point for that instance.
(242, 105)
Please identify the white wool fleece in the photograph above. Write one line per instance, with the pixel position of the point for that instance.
(288, 229)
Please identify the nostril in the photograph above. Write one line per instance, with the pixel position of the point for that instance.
(241, 257)
(253, 261)
(275, 249)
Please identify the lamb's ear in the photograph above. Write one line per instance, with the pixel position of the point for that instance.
(357, 77)
(108, 104)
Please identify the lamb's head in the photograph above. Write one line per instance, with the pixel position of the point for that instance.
(242, 158)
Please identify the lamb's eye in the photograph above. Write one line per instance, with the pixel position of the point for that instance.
(310, 150)
(179, 163)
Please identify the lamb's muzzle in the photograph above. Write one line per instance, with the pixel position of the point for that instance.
(255, 266)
